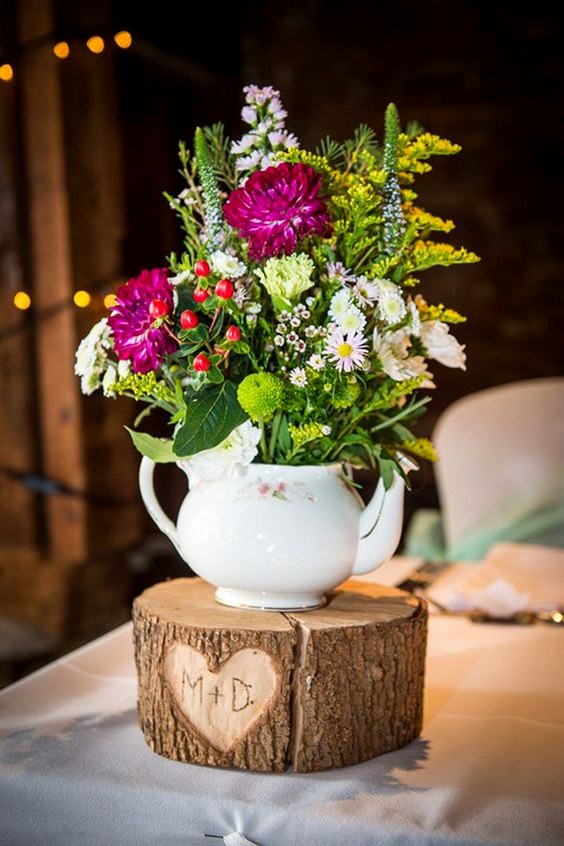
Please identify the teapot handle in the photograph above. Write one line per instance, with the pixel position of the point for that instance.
(152, 504)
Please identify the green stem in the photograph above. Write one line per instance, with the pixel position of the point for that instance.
(405, 412)
(263, 446)
(274, 434)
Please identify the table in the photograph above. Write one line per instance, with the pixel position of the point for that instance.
(488, 768)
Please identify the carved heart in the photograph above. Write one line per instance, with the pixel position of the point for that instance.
(221, 706)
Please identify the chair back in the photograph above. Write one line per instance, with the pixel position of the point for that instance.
(497, 445)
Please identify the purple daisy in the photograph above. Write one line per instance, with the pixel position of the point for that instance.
(138, 334)
(277, 206)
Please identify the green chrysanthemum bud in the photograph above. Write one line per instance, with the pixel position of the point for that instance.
(260, 395)
(346, 394)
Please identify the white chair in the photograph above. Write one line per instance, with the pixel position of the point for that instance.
(497, 446)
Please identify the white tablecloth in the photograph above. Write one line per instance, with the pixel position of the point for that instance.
(488, 768)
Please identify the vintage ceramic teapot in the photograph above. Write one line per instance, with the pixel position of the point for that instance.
(279, 537)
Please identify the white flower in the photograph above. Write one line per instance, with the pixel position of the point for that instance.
(392, 350)
(124, 368)
(92, 356)
(244, 144)
(298, 377)
(268, 160)
(326, 430)
(415, 319)
(352, 320)
(249, 115)
(279, 340)
(310, 331)
(180, 277)
(316, 362)
(225, 265)
(441, 345)
(226, 460)
(109, 380)
(390, 301)
(300, 346)
(250, 161)
(292, 338)
(295, 322)
(264, 126)
(337, 271)
(365, 292)
(240, 295)
(340, 304)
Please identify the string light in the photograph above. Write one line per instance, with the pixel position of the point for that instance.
(95, 44)
(110, 300)
(22, 300)
(82, 299)
(123, 39)
(61, 50)
(6, 73)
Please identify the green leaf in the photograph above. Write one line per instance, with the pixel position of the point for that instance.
(387, 471)
(214, 375)
(158, 450)
(210, 418)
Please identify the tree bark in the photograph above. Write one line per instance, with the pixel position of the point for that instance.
(262, 690)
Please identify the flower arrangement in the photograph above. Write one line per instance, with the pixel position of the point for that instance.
(288, 329)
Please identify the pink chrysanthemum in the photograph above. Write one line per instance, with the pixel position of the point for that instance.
(137, 336)
(277, 206)
(346, 351)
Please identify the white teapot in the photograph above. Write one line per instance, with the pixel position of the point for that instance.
(279, 537)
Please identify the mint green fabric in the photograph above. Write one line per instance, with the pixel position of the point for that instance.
(534, 518)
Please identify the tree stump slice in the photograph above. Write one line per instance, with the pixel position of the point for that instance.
(263, 690)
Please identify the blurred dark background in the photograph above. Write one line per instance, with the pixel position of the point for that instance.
(87, 145)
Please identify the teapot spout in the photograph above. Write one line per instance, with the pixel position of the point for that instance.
(380, 523)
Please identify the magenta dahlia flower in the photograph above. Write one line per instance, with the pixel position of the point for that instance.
(137, 334)
(277, 206)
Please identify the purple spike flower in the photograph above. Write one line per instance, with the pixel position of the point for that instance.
(277, 206)
(136, 333)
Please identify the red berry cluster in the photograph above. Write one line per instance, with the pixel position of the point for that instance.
(224, 290)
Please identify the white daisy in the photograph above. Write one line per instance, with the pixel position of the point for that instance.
(316, 362)
(352, 320)
(337, 271)
(365, 292)
(391, 304)
(298, 377)
(340, 304)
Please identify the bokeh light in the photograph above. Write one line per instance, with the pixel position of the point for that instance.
(82, 299)
(123, 39)
(95, 44)
(61, 50)
(110, 300)
(22, 300)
